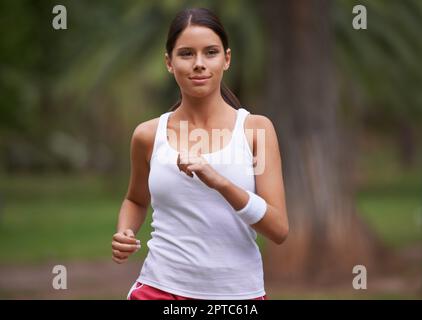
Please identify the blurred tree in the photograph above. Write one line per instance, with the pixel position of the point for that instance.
(383, 63)
(326, 239)
(70, 99)
(106, 73)
(122, 49)
(29, 64)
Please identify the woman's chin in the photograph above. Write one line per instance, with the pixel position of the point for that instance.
(199, 92)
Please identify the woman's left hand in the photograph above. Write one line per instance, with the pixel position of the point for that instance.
(191, 163)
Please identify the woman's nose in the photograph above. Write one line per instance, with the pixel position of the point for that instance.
(199, 64)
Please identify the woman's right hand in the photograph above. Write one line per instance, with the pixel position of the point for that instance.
(123, 245)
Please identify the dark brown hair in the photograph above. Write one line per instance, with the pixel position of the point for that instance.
(205, 18)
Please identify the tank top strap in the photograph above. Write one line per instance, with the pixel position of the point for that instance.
(240, 121)
(161, 133)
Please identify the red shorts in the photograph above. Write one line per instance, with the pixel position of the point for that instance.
(140, 291)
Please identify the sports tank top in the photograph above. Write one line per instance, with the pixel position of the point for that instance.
(199, 248)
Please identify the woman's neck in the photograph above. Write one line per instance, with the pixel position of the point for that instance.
(199, 111)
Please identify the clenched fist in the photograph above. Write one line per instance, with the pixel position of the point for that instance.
(123, 245)
(194, 163)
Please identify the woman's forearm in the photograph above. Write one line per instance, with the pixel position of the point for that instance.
(271, 225)
(131, 216)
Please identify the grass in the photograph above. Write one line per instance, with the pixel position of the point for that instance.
(397, 220)
(61, 217)
(69, 217)
(57, 217)
(390, 198)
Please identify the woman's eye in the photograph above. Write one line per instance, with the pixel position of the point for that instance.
(212, 52)
(185, 53)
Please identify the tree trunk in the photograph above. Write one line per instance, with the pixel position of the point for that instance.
(326, 238)
(406, 144)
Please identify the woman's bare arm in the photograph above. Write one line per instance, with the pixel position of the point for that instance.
(269, 183)
(135, 205)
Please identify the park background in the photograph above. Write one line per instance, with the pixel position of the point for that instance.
(346, 103)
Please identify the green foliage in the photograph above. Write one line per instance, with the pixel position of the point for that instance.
(73, 217)
(390, 198)
(383, 60)
(107, 69)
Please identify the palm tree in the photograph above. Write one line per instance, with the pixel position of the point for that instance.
(303, 94)
(383, 63)
(122, 45)
(326, 233)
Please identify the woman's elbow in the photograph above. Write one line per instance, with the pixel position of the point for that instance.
(281, 234)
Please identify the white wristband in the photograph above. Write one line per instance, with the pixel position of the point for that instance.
(254, 210)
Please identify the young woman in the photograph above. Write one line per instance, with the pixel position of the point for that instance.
(208, 200)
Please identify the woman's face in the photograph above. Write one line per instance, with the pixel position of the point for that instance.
(198, 61)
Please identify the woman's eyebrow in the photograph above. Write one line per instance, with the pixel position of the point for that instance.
(207, 47)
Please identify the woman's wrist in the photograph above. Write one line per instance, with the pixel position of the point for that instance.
(221, 184)
(254, 210)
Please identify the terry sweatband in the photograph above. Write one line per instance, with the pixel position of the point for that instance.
(254, 209)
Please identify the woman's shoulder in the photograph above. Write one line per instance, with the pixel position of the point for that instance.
(253, 122)
(144, 133)
(257, 121)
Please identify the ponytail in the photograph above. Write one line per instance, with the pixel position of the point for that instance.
(176, 105)
(230, 97)
(227, 95)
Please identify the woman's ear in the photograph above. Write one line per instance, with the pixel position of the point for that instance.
(227, 57)
(168, 63)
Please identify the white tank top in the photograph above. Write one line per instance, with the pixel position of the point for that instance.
(199, 247)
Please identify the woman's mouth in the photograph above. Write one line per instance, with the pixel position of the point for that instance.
(199, 79)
